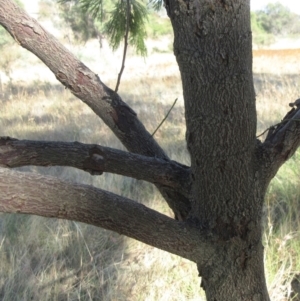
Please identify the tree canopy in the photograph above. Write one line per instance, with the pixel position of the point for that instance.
(274, 20)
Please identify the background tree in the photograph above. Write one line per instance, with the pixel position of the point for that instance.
(90, 19)
(217, 201)
(80, 21)
(278, 19)
(275, 20)
(260, 36)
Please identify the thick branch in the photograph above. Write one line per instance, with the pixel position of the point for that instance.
(282, 141)
(95, 159)
(88, 87)
(79, 79)
(46, 196)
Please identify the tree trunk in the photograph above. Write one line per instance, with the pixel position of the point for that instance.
(218, 201)
(213, 50)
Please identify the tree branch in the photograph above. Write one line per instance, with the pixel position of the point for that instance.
(94, 159)
(47, 196)
(282, 141)
(79, 79)
(88, 87)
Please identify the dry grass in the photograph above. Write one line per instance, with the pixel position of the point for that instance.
(49, 259)
(276, 61)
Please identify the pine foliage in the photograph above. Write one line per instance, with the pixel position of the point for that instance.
(156, 4)
(113, 16)
(116, 26)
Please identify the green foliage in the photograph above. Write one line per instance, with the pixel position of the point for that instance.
(274, 20)
(116, 26)
(92, 18)
(156, 4)
(255, 25)
(259, 35)
(94, 8)
(158, 26)
(80, 19)
(277, 19)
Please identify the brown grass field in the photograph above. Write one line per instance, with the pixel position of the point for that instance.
(279, 53)
(276, 61)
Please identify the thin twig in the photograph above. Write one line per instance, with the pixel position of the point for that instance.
(125, 46)
(276, 125)
(165, 117)
(272, 126)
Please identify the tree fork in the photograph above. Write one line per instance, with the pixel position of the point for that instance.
(221, 204)
(87, 86)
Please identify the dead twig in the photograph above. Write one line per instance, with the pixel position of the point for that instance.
(165, 117)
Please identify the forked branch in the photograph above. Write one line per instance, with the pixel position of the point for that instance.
(282, 140)
(95, 159)
(46, 196)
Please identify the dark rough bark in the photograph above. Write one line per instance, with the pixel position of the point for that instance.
(282, 141)
(94, 159)
(213, 50)
(51, 197)
(219, 199)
